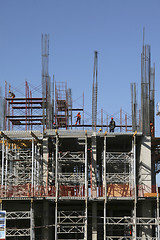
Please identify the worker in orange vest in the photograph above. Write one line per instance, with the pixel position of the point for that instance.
(78, 118)
(12, 95)
(151, 129)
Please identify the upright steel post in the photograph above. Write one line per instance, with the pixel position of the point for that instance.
(35, 166)
(32, 180)
(32, 233)
(135, 189)
(105, 187)
(158, 227)
(53, 107)
(86, 188)
(102, 119)
(56, 185)
(5, 107)
(120, 119)
(83, 111)
(6, 171)
(2, 180)
(126, 122)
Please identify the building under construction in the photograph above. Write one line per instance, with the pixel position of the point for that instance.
(62, 182)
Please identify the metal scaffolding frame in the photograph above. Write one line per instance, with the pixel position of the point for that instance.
(119, 173)
(71, 182)
(16, 218)
(22, 167)
(61, 104)
(25, 113)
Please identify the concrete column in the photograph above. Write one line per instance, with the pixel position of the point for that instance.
(146, 181)
(94, 221)
(94, 166)
(145, 164)
(45, 162)
(46, 213)
(146, 210)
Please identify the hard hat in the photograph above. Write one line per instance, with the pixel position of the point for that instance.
(9, 91)
(112, 118)
(100, 129)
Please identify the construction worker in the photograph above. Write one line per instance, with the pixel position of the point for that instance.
(151, 129)
(112, 125)
(54, 125)
(78, 118)
(12, 95)
(100, 130)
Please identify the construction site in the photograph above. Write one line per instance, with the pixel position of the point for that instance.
(61, 180)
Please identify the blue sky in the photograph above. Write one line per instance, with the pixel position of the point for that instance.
(77, 28)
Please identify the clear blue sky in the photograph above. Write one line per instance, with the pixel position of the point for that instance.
(77, 28)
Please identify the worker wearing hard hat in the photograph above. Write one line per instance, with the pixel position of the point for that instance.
(100, 130)
(78, 118)
(12, 95)
(112, 125)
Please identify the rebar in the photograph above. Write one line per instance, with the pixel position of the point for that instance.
(45, 78)
(94, 91)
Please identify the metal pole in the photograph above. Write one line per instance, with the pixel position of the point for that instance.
(56, 185)
(86, 187)
(158, 227)
(120, 119)
(32, 181)
(53, 109)
(2, 161)
(5, 107)
(32, 233)
(126, 121)
(135, 189)
(6, 171)
(105, 188)
(83, 110)
(135, 107)
(102, 119)
(35, 166)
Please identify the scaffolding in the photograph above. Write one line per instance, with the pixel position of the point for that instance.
(61, 105)
(79, 184)
(60, 167)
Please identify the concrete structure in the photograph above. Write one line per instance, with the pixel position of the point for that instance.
(67, 184)
(62, 183)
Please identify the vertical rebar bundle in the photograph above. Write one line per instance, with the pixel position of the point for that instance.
(70, 107)
(45, 80)
(147, 90)
(152, 94)
(134, 106)
(94, 91)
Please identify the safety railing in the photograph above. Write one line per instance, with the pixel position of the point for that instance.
(113, 190)
(71, 191)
